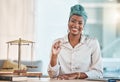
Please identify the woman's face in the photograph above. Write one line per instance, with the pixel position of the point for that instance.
(76, 24)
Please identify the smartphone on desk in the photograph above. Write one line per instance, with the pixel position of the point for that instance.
(113, 80)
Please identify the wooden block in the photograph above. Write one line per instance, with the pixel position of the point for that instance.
(6, 73)
(28, 74)
(32, 74)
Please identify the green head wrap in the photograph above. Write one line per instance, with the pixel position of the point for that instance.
(79, 10)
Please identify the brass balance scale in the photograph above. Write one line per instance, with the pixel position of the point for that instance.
(21, 42)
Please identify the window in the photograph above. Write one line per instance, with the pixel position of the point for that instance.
(105, 26)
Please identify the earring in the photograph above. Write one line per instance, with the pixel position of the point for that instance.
(82, 32)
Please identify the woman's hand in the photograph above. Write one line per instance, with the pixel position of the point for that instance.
(56, 48)
(77, 75)
(68, 76)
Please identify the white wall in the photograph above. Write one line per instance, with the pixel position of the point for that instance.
(16, 21)
(51, 18)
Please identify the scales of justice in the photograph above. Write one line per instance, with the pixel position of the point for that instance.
(20, 42)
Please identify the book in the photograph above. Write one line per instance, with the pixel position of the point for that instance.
(12, 78)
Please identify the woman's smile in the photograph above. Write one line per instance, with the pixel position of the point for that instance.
(74, 29)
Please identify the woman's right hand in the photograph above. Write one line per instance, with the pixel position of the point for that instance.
(55, 51)
(56, 48)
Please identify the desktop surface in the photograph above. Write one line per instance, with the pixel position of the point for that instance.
(76, 80)
(54, 80)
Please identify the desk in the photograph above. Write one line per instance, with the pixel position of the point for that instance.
(54, 80)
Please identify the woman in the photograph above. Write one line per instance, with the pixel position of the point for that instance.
(76, 56)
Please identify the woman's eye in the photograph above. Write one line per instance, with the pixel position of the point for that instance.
(72, 21)
(80, 23)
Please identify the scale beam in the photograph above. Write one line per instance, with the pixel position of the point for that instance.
(20, 42)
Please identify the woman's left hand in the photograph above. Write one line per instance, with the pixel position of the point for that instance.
(67, 76)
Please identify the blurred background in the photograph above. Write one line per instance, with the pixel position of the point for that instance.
(43, 21)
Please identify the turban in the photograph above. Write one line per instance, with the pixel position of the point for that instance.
(78, 10)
